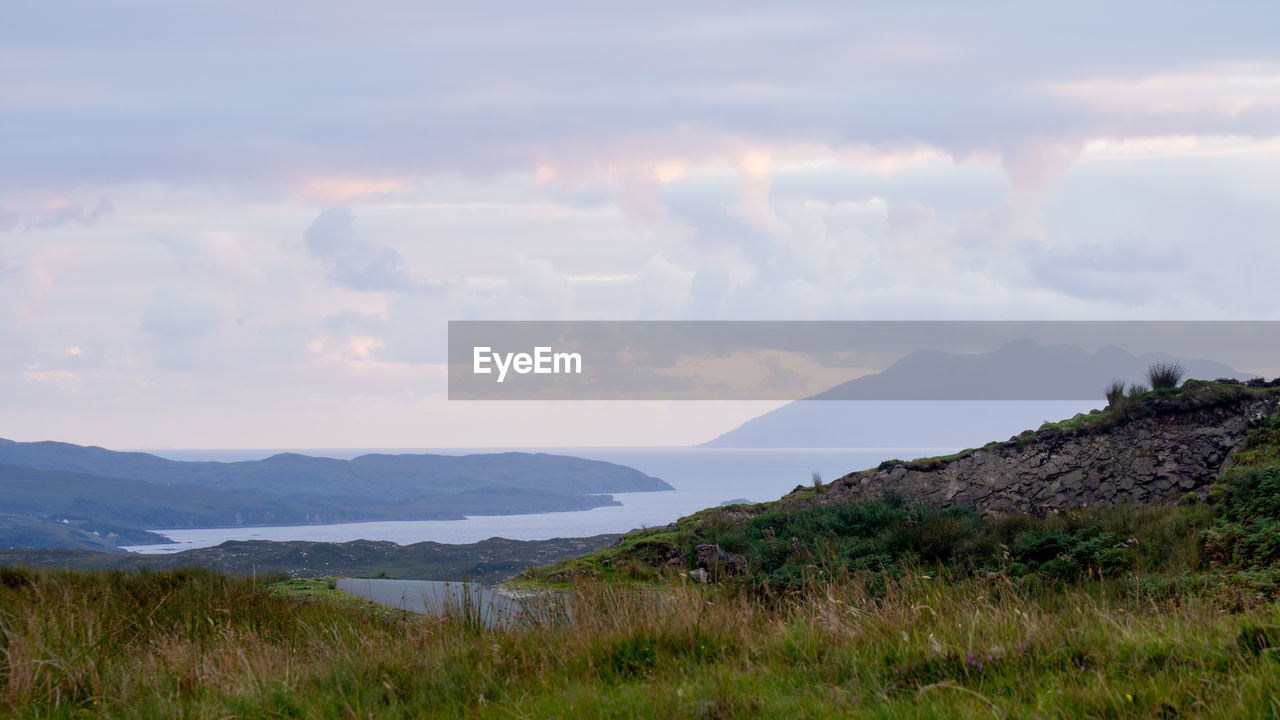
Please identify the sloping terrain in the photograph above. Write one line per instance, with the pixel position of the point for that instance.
(26, 531)
(956, 399)
(1144, 486)
(877, 606)
(1156, 448)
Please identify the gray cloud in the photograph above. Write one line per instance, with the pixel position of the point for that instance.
(70, 213)
(527, 83)
(54, 215)
(351, 262)
(1127, 269)
(510, 151)
(178, 314)
(349, 321)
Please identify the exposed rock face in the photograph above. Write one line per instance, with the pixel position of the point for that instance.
(1151, 459)
(717, 563)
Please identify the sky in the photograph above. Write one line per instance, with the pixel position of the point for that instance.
(246, 225)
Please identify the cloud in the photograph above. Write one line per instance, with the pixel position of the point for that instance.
(63, 380)
(62, 212)
(1225, 92)
(40, 211)
(607, 87)
(1128, 269)
(354, 263)
(351, 321)
(668, 161)
(329, 190)
(180, 314)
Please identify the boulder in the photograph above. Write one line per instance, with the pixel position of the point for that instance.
(717, 563)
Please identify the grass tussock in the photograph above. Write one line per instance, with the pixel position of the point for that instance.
(197, 644)
(1114, 392)
(1141, 401)
(1166, 375)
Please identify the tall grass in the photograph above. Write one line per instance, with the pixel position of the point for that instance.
(1114, 392)
(1164, 375)
(197, 644)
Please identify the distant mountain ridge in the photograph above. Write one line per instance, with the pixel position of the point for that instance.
(384, 477)
(76, 491)
(957, 400)
(1018, 370)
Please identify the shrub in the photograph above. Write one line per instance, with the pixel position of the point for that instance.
(1165, 375)
(1262, 446)
(1246, 533)
(1068, 555)
(1115, 393)
(14, 577)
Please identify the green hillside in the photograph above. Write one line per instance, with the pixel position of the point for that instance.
(814, 535)
(487, 561)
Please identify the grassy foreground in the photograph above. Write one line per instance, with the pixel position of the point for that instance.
(198, 644)
(873, 609)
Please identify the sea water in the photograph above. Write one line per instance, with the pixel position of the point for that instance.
(702, 477)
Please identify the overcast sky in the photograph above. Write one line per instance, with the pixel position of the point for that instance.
(246, 224)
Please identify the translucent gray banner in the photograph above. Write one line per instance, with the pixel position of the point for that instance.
(841, 360)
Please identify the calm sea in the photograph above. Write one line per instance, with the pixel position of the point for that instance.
(702, 477)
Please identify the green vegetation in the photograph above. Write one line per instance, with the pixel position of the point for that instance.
(196, 644)
(97, 534)
(324, 591)
(885, 609)
(1262, 447)
(1141, 401)
(1246, 529)
(487, 561)
(1123, 406)
(792, 545)
(1165, 375)
(1114, 392)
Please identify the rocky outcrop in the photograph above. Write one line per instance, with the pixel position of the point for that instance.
(1170, 448)
(716, 563)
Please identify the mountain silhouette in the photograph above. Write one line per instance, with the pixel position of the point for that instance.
(73, 495)
(377, 477)
(933, 399)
